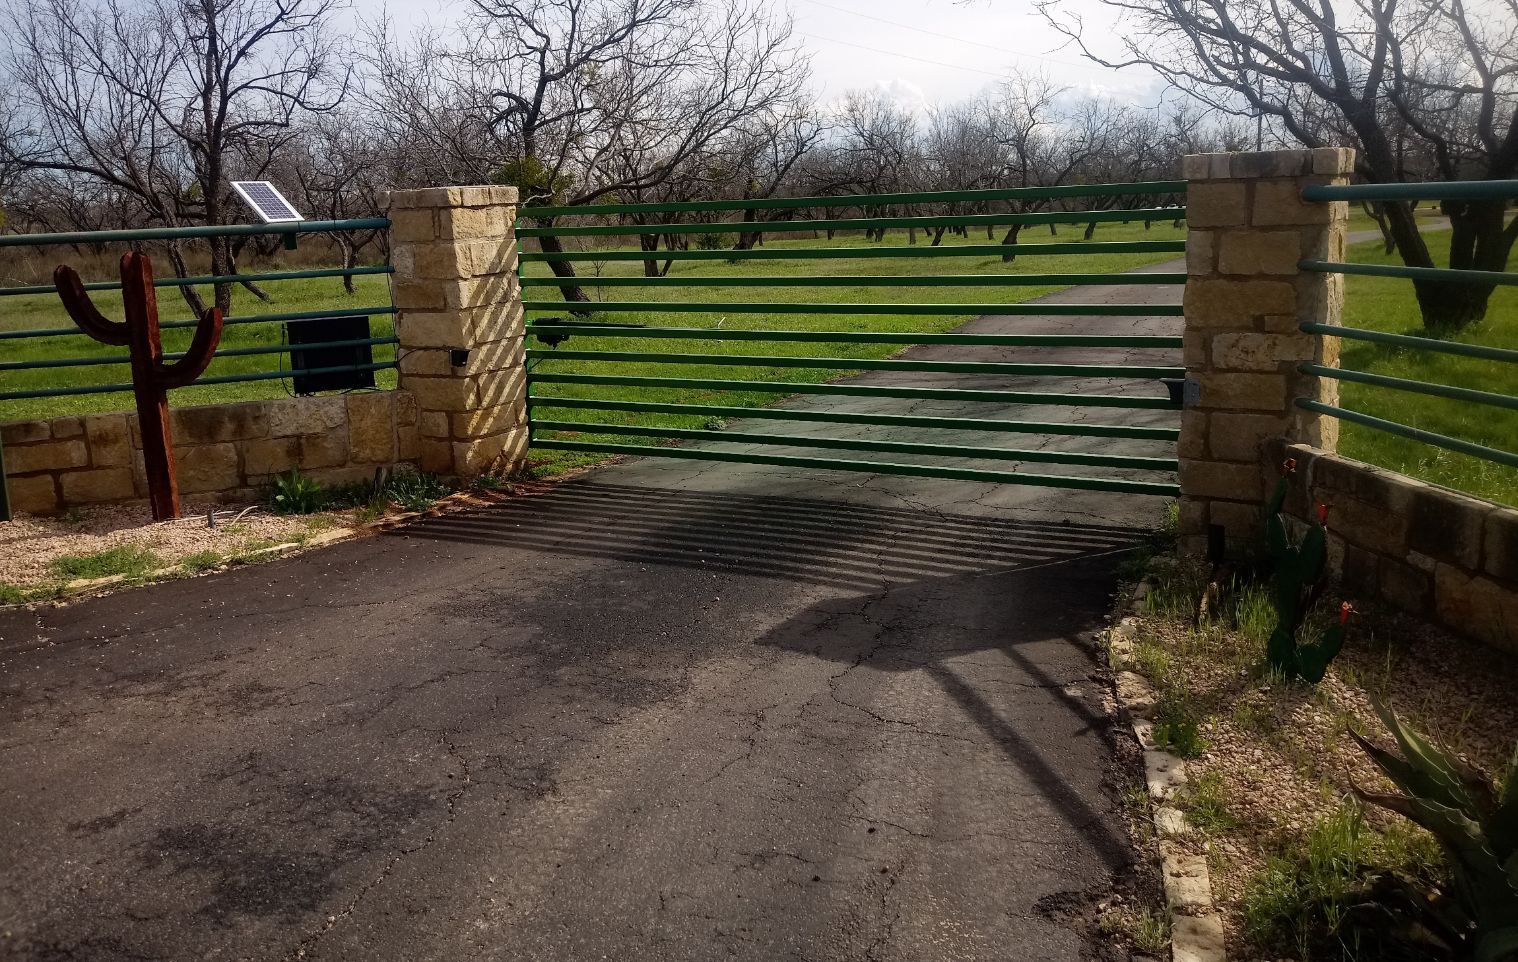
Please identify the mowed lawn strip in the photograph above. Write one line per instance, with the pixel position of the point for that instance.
(1387, 304)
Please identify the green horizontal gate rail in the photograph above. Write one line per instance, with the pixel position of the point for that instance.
(854, 253)
(592, 370)
(1489, 190)
(178, 233)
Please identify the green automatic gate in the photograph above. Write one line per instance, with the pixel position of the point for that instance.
(573, 376)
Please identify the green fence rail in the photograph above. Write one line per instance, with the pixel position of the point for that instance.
(1449, 190)
(851, 280)
(857, 253)
(276, 317)
(1017, 194)
(1493, 190)
(607, 329)
(562, 419)
(911, 310)
(863, 223)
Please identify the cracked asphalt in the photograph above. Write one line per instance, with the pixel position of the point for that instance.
(669, 710)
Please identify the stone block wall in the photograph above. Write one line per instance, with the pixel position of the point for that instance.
(1245, 297)
(1428, 550)
(223, 452)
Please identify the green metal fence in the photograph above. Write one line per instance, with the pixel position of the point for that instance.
(59, 342)
(1506, 191)
(580, 400)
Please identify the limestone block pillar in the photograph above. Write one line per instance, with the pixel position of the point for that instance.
(460, 323)
(1248, 228)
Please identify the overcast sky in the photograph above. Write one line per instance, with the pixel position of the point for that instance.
(918, 50)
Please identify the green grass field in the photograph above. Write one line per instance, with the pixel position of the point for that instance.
(43, 311)
(1387, 304)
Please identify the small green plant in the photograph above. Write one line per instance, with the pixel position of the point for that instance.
(1177, 726)
(11, 595)
(711, 241)
(1475, 820)
(1299, 900)
(1298, 569)
(490, 482)
(201, 560)
(296, 493)
(415, 491)
(1147, 929)
(1207, 805)
(125, 560)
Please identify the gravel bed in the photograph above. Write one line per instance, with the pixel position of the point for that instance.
(30, 544)
(1281, 752)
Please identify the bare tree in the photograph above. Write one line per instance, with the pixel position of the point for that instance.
(579, 100)
(1425, 89)
(166, 102)
(1048, 136)
(334, 165)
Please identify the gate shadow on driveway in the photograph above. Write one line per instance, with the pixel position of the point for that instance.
(847, 545)
(996, 611)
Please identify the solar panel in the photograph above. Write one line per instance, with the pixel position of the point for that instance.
(266, 200)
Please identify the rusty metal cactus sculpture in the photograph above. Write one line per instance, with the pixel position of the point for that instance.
(151, 376)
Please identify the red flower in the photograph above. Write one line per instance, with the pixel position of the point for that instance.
(1345, 610)
(1322, 514)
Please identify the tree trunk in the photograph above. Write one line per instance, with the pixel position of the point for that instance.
(257, 291)
(990, 232)
(1011, 238)
(191, 296)
(1377, 213)
(912, 236)
(1053, 230)
(937, 237)
(1478, 241)
(650, 243)
(563, 269)
(350, 261)
(1090, 230)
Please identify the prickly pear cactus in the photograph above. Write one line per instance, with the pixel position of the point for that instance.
(1298, 573)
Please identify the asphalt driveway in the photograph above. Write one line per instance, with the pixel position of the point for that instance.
(670, 710)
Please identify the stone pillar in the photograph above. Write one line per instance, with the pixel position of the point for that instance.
(460, 324)
(1247, 229)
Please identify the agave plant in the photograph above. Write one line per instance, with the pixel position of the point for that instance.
(1476, 823)
(1298, 569)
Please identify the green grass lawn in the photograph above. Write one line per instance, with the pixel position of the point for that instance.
(1387, 304)
(553, 461)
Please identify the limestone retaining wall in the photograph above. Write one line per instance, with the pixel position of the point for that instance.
(223, 452)
(1428, 550)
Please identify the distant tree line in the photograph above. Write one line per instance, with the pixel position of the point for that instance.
(131, 113)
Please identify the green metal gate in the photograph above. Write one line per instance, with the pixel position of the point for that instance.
(621, 384)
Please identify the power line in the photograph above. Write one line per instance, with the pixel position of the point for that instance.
(943, 36)
(907, 56)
